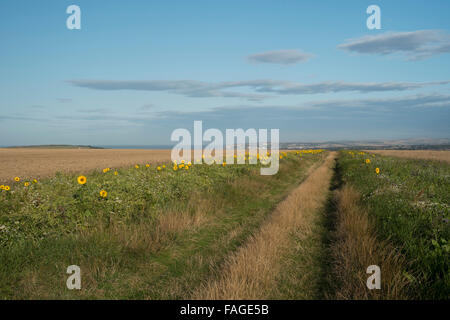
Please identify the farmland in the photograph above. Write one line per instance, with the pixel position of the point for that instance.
(440, 155)
(141, 227)
(41, 162)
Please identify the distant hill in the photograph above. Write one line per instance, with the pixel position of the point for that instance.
(57, 146)
(405, 144)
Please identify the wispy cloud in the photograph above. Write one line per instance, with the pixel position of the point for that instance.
(97, 110)
(64, 100)
(375, 117)
(190, 88)
(36, 107)
(261, 88)
(340, 86)
(414, 45)
(375, 104)
(286, 57)
(147, 107)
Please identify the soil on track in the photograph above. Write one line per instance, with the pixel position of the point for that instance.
(40, 162)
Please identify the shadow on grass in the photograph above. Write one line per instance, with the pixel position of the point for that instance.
(327, 285)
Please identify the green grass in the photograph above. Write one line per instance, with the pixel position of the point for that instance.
(410, 202)
(56, 223)
(304, 272)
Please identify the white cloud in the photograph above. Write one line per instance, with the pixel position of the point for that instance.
(286, 57)
(414, 45)
(261, 88)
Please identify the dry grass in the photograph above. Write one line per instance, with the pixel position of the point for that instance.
(356, 247)
(142, 237)
(152, 236)
(441, 155)
(252, 271)
(32, 163)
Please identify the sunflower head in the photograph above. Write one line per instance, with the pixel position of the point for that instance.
(17, 179)
(377, 170)
(26, 184)
(158, 168)
(2, 187)
(367, 161)
(34, 181)
(103, 193)
(116, 173)
(136, 166)
(81, 180)
(147, 165)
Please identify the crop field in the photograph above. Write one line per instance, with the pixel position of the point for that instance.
(41, 162)
(153, 229)
(441, 155)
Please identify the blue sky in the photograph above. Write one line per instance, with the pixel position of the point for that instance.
(139, 69)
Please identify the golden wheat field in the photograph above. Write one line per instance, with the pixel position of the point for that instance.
(441, 155)
(40, 162)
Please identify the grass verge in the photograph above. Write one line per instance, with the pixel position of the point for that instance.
(355, 247)
(406, 202)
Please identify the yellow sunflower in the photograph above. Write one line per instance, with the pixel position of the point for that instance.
(17, 179)
(7, 188)
(81, 179)
(103, 194)
(159, 168)
(377, 170)
(26, 184)
(367, 161)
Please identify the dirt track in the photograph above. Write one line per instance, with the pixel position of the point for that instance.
(38, 163)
